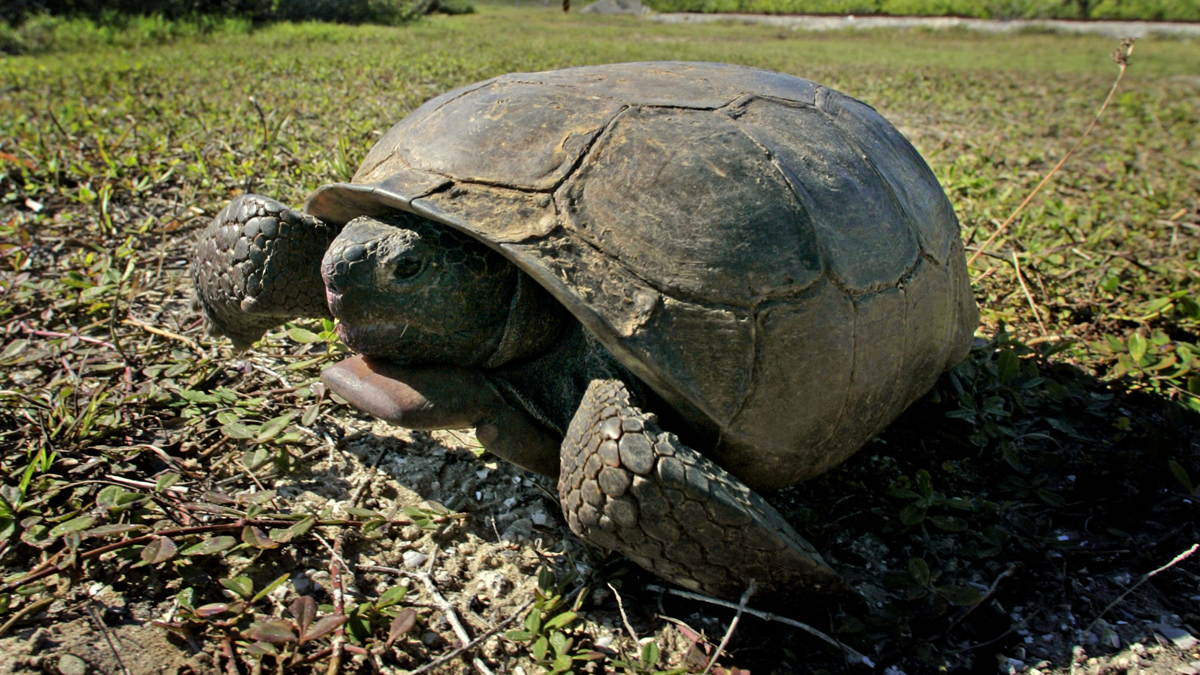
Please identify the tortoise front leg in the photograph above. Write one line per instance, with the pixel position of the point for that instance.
(257, 265)
(628, 486)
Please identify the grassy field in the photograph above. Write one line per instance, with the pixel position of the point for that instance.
(1143, 10)
(1056, 463)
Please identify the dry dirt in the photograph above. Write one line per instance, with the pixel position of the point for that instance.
(486, 566)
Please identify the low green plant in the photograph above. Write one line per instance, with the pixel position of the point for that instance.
(545, 625)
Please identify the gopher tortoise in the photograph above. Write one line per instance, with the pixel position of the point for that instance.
(665, 284)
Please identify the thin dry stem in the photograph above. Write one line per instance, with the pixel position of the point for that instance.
(767, 616)
(1174, 561)
(1122, 59)
(1028, 296)
(621, 606)
(732, 627)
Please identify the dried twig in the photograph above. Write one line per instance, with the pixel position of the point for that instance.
(130, 321)
(339, 608)
(1121, 56)
(108, 638)
(1032, 305)
(767, 616)
(27, 610)
(473, 643)
(621, 606)
(732, 626)
(1145, 577)
(451, 617)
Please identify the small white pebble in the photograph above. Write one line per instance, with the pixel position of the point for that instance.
(414, 559)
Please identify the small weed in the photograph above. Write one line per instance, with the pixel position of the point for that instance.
(545, 625)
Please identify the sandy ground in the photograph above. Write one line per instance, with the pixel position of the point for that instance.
(1115, 29)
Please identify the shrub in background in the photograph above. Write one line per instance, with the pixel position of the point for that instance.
(70, 25)
(114, 12)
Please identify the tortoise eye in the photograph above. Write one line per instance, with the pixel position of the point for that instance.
(407, 268)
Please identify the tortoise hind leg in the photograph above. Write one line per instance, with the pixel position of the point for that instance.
(628, 486)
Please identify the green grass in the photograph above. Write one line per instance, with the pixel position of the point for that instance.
(112, 157)
(1145, 10)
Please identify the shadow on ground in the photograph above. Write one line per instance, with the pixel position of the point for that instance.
(995, 523)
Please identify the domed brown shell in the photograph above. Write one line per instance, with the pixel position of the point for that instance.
(772, 257)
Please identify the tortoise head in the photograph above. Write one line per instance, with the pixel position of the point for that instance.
(411, 291)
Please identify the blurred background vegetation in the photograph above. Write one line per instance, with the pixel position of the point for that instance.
(1145, 10)
(34, 26)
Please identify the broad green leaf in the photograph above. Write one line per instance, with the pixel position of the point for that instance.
(304, 610)
(272, 428)
(304, 337)
(243, 587)
(962, 596)
(912, 515)
(1007, 365)
(73, 525)
(902, 493)
(1137, 347)
(238, 430)
(402, 624)
(252, 536)
(918, 569)
(649, 656)
(261, 648)
(533, 622)
(561, 664)
(273, 631)
(212, 609)
(210, 546)
(256, 457)
(1051, 499)
(113, 530)
(540, 647)
(199, 397)
(559, 621)
(324, 626)
(391, 596)
(310, 414)
(559, 643)
(165, 481)
(159, 550)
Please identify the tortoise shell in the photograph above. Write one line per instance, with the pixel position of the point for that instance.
(773, 258)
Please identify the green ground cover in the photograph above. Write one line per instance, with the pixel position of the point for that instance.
(1143, 10)
(112, 159)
